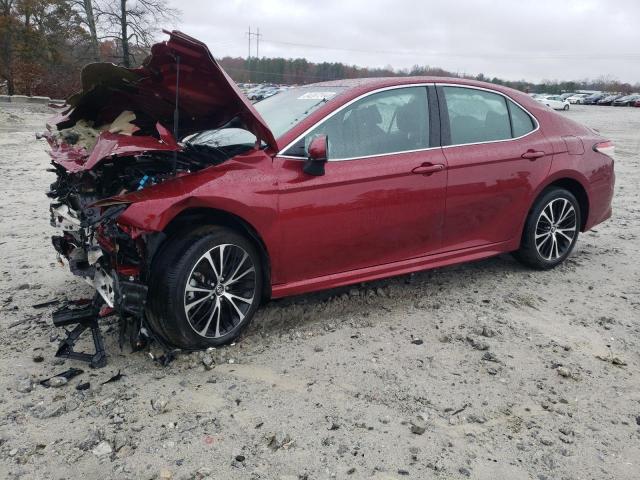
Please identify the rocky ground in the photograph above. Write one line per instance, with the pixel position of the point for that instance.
(486, 370)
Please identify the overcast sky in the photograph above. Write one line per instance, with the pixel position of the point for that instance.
(511, 39)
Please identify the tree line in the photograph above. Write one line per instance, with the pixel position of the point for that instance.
(45, 43)
(300, 71)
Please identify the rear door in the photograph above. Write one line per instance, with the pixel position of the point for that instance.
(382, 196)
(496, 157)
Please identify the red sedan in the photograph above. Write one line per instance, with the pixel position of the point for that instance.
(186, 206)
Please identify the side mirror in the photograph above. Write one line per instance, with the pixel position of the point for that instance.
(314, 164)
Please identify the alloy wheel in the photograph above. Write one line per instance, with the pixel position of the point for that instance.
(220, 290)
(556, 229)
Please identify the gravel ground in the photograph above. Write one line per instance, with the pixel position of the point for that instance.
(485, 370)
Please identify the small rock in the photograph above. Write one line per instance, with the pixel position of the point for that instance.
(318, 349)
(207, 361)
(90, 441)
(25, 385)
(351, 471)
(546, 441)
(464, 471)
(240, 458)
(417, 341)
(477, 343)
(564, 372)
(279, 440)
(160, 404)
(418, 427)
(487, 332)
(37, 357)
(490, 357)
(473, 418)
(165, 474)
(57, 382)
(103, 448)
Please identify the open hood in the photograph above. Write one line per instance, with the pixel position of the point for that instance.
(180, 71)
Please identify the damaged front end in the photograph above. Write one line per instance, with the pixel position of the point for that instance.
(118, 137)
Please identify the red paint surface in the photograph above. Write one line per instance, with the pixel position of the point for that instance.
(372, 218)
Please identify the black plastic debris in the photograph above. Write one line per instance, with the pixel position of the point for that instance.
(166, 358)
(50, 303)
(118, 376)
(83, 386)
(84, 315)
(68, 374)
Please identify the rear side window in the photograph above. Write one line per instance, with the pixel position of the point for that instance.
(520, 120)
(479, 116)
(476, 116)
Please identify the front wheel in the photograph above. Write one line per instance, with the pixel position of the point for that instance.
(551, 230)
(205, 288)
(566, 107)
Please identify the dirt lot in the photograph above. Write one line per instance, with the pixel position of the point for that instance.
(486, 370)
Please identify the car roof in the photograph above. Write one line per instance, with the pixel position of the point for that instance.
(357, 86)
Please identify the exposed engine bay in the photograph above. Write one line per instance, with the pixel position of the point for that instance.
(86, 207)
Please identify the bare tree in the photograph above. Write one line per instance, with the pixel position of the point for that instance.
(7, 33)
(134, 23)
(90, 20)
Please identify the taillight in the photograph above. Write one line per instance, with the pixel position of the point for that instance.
(606, 148)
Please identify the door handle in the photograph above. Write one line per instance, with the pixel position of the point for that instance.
(533, 155)
(428, 168)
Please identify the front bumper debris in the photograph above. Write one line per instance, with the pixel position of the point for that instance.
(84, 315)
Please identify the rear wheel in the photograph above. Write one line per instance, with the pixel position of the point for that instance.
(205, 288)
(551, 230)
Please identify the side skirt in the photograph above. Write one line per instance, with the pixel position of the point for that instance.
(393, 269)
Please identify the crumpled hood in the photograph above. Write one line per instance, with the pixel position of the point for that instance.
(179, 71)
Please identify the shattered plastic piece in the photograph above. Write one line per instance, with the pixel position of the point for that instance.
(68, 374)
(122, 124)
(115, 378)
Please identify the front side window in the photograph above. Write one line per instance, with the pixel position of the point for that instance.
(476, 115)
(391, 121)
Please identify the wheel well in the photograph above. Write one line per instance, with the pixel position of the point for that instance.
(207, 216)
(580, 193)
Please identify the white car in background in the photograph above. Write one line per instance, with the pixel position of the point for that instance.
(578, 98)
(554, 101)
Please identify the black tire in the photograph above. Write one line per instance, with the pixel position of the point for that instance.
(537, 255)
(566, 107)
(183, 260)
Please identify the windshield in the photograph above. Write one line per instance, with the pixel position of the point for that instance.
(281, 112)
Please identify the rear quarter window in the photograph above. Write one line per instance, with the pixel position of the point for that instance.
(521, 121)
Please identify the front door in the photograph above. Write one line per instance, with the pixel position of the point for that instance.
(381, 198)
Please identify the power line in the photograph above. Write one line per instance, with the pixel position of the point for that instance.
(523, 56)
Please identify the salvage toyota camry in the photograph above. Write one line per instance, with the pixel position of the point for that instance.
(186, 206)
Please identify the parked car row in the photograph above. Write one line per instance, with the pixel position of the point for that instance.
(562, 102)
(256, 92)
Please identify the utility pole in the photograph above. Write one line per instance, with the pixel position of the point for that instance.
(249, 37)
(258, 35)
